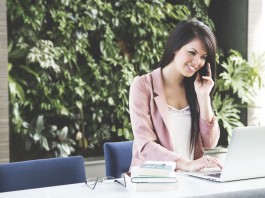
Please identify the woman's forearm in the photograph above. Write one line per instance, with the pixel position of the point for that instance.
(206, 111)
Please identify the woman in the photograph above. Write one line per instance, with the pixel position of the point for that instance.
(170, 108)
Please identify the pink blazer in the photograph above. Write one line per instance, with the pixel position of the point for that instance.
(148, 113)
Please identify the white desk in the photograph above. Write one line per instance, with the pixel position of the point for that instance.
(188, 187)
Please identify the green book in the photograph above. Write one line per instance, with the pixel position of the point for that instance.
(149, 186)
(154, 169)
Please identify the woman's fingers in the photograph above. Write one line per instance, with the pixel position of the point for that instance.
(204, 162)
(213, 162)
(207, 80)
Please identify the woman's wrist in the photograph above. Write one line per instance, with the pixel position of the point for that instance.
(183, 164)
(206, 111)
(204, 99)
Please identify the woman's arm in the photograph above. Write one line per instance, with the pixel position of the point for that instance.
(209, 127)
(210, 133)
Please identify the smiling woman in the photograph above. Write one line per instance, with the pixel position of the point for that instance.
(194, 53)
(4, 130)
(170, 108)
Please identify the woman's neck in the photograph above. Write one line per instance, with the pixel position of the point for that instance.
(174, 88)
(172, 77)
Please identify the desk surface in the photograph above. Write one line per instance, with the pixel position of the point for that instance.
(188, 187)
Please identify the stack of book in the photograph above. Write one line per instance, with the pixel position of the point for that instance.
(152, 176)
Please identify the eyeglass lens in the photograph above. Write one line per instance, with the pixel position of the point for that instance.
(92, 182)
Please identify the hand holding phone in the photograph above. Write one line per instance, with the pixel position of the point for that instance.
(204, 83)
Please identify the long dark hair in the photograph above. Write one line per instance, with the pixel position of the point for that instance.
(183, 33)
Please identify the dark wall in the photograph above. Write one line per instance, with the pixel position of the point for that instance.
(231, 22)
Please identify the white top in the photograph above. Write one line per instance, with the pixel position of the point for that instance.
(180, 130)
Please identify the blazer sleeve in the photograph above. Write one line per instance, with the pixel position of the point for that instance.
(146, 143)
(210, 133)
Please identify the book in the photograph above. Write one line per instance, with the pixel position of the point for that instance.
(142, 187)
(136, 178)
(155, 168)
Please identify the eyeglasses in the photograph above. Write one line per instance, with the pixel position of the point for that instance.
(92, 182)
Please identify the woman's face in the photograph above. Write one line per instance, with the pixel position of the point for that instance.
(190, 58)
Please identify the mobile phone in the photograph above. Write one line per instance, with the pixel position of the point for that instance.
(204, 70)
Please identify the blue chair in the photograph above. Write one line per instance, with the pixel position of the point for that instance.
(118, 156)
(41, 173)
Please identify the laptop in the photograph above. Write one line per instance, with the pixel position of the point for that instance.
(245, 158)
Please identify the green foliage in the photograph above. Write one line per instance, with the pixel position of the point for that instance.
(227, 111)
(235, 88)
(199, 10)
(71, 64)
(50, 138)
(239, 76)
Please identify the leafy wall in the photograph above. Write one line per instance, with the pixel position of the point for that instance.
(71, 64)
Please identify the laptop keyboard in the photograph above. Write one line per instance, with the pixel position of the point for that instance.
(217, 175)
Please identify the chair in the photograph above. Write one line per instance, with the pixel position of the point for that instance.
(118, 156)
(41, 173)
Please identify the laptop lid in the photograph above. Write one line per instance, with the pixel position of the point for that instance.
(245, 156)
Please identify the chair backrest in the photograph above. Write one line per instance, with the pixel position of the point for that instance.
(118, 156)
(41, 173)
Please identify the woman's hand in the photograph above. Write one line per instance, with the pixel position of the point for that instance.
(204, 84)
(204, 162)
(196, 165)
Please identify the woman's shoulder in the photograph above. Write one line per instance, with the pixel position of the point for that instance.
(148, 76)
(144, 83)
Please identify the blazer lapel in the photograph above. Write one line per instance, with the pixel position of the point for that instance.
(159, 95)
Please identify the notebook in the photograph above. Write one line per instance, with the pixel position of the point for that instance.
(245, 158)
